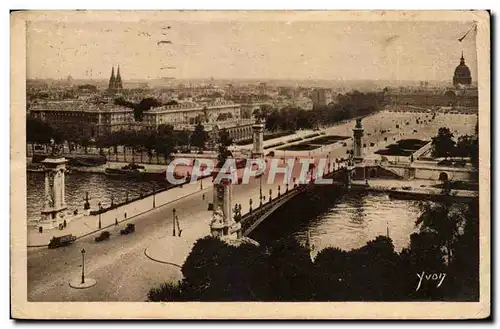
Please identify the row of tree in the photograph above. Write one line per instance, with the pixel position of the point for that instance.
(164, 140)
(348, 106)
(142, 106)
(446, 249)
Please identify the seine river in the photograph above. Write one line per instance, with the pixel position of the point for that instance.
(342, 220)
(99, 186)
(332, 217)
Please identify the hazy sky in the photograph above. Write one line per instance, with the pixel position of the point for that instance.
(231, 49)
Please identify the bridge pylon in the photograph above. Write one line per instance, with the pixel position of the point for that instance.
(223, 224)
(358, 156)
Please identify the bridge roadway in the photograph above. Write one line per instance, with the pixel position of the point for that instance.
(119, 265)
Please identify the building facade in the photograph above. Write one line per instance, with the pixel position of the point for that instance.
(97, 119)
(87, 119)
(190, 113)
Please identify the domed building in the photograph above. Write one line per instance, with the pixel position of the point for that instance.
(462, 74)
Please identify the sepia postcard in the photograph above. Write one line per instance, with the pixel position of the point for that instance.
(250, 165)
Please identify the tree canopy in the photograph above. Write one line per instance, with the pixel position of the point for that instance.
(199, 137)
(215, 271)
(223, 143)
(443, 144)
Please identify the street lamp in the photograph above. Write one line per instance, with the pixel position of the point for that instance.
(83, 266)
(250, 209)
(279, 191)
(100, 208)
(260, 190)
(270, 195)
(154, 194)
(173, 222)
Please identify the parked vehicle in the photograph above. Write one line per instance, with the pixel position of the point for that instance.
(60, 241)
(103, 236)
(127, 230)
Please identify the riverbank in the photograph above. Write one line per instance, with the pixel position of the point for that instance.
(412, 189)
(90, 224)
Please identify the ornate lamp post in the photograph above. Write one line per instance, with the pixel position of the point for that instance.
(100, 208)
(250, 209)
(112, 200)
(279, 191)
(83, 266)
(173, 222)
(270, 195)
(126, 197)
(286, 187)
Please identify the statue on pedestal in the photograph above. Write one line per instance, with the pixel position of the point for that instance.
(217, 218)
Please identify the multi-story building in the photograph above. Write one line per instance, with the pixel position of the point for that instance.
(190, 113)
(85, 118)
(97, 119)
(318, 97)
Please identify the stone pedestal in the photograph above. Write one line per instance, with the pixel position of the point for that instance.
(222, 223)
(358, 133)
(54, 210)
(258, 140)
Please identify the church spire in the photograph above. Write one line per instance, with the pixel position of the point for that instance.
(111, 85)
(462, 60)
(118, 81)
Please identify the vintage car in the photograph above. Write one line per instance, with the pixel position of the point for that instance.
(59, 241)
(127, 230)
(103, 236)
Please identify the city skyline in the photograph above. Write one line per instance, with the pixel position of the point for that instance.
(337, 50)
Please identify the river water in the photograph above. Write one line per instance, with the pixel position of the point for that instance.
(341, 219)
(99, 186)
(332, 216)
